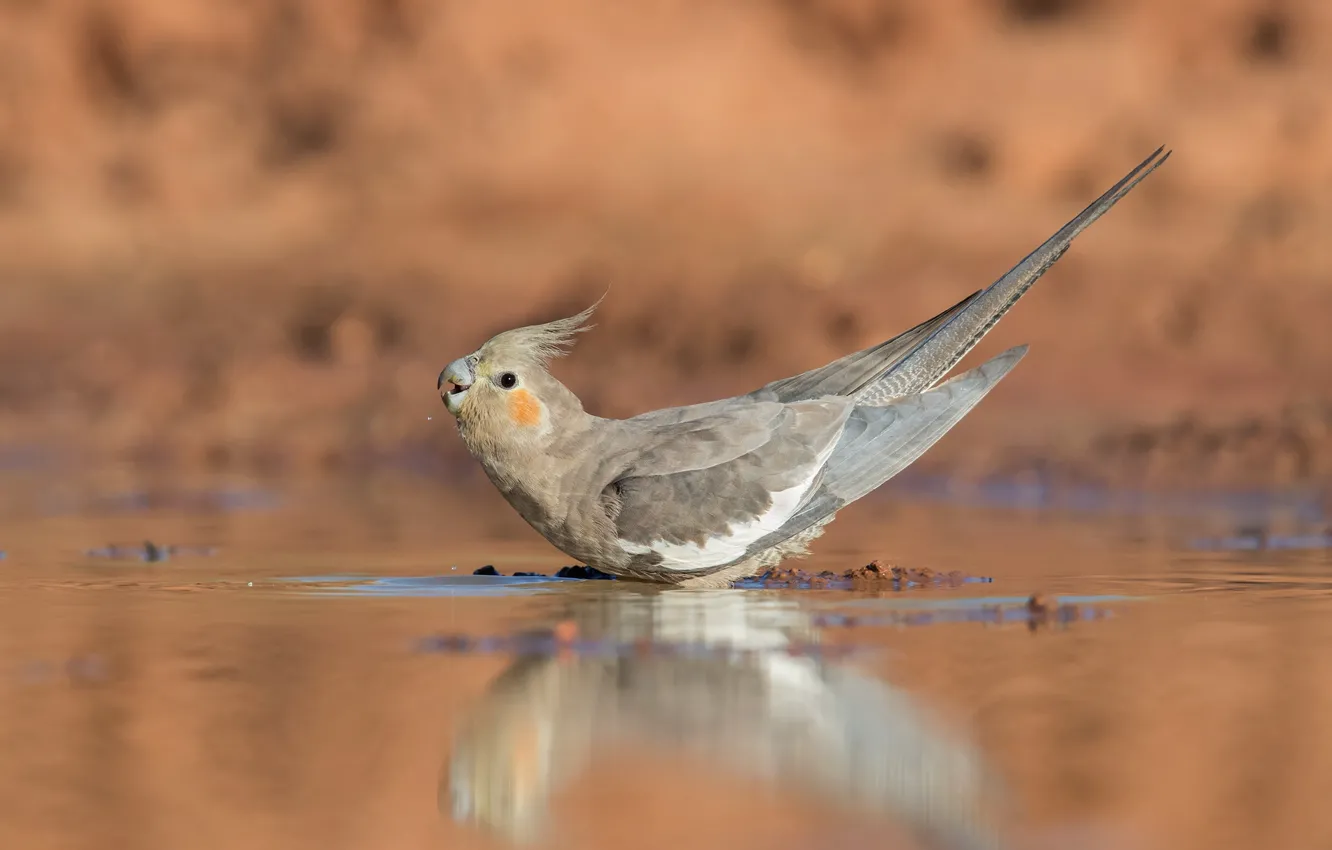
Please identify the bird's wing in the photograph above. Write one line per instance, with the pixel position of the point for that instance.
(698, 493)
(661, 443)
(879, 442)
(920, 367)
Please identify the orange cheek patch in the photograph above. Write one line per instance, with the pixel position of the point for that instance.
(524, 409)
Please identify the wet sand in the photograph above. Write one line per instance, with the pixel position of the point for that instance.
(327, 678)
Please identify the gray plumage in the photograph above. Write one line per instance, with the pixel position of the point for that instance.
(708, 493)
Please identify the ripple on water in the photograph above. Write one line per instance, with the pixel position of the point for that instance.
(425, 586)
(1262, 540)
(1052, 496)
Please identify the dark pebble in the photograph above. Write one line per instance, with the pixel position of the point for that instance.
(577, 571)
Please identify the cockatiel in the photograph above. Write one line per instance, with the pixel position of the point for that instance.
(709, 493)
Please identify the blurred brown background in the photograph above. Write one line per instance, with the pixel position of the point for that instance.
(249, 234)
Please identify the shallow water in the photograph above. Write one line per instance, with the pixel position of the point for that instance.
(313, 665)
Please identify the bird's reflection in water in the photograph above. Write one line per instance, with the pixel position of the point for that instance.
(740, 689)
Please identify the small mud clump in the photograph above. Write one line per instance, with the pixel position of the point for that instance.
(1042, 612)
(590, 573)
(876, 573)
(873, 576)
(1038, 606)
(790, 577)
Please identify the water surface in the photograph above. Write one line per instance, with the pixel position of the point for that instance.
(313, 665)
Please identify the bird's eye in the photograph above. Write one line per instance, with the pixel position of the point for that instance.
(508, 380)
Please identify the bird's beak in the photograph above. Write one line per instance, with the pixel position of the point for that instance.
(454, 382)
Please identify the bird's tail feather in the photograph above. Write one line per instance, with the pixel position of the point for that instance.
(892, 437)
(932, 357)
(881, 441)
(852, 373)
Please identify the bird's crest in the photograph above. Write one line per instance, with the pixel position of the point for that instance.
(541, 343)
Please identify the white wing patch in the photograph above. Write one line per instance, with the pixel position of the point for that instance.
(738, 537)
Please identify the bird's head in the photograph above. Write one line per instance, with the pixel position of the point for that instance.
(503, 392)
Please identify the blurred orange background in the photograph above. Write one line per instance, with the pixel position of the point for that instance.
(249, 234)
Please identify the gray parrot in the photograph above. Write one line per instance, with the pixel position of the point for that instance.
(706, 494)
